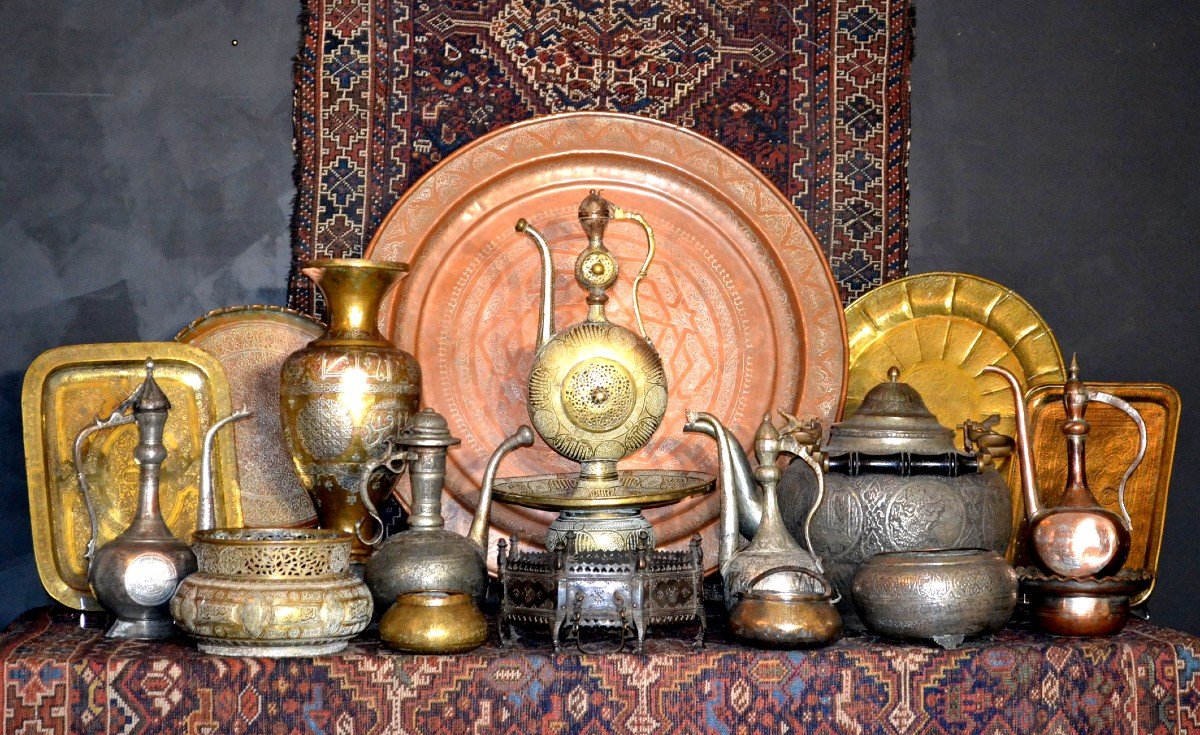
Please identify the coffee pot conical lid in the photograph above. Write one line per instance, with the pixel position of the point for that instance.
(892, 418)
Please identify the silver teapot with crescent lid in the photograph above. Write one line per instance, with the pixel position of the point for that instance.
(895, 481)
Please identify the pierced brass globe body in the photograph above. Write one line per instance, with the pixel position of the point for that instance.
(597, 393)
(597, 390)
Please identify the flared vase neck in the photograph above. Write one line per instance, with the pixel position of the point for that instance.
(354, 291)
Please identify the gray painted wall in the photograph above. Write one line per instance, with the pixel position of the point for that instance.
(145, 178)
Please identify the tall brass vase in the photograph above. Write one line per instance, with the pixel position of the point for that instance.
(345, 394)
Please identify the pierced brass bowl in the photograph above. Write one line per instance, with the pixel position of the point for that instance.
(274, 592)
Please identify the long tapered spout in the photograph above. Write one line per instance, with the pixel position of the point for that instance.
(546, 322)
(523, 437)
(206, 506)
(741, 505)
(1033, 506)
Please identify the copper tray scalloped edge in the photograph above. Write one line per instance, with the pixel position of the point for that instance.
(703, 186)
(1103, 478)
(126, 359)
(261, 451)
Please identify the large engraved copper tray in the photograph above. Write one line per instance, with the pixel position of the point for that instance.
(66, 389)
(251, 343)
(739, 302)
(1111, 445)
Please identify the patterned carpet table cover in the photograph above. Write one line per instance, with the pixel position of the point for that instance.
(60, 678)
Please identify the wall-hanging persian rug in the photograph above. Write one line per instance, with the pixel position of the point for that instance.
(815, 94)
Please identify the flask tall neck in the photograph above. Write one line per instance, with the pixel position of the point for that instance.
(427, 475)
(150, 454)
(354, 290)
(1076, 428)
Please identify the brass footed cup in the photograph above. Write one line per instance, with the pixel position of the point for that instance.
(433, 622)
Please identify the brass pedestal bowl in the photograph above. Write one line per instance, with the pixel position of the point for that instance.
(272, 592)
(602, 520)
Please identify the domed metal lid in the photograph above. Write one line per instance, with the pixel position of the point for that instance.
(892, 418)
(427, 429)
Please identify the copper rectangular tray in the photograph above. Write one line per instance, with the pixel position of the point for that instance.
(1111, 445)
(66, 389)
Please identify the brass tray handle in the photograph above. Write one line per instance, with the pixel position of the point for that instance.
(1123, 405)
(619, 213)
(394, 460)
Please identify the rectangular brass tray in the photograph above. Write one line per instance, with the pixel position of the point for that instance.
(68, 388)
(1111, 446)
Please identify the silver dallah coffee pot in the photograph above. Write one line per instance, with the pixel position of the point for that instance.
(134, 575)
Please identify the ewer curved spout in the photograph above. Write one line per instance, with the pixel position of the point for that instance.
(1033, 505)
(523, 437)
(206, 507)
(546, 322)
(738, 489)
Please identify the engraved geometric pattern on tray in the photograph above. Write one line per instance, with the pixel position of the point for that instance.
(814, 94)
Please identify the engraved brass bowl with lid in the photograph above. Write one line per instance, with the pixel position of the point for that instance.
(272, 592)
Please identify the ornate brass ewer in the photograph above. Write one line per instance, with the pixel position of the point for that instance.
(597, 393)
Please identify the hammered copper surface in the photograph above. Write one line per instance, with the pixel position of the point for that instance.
(742, 306)
(1111, 445)
(251, 343)
(66, 389)
(941, 330)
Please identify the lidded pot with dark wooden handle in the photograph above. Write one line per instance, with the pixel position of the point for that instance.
(895, 481)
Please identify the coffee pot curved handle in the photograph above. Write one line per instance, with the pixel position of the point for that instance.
(116, 418)
(393, 459)
(1123, 405)
(802, 439)
(827, 589)
(619, 213)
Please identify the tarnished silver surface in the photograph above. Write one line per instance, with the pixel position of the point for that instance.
(570, 591)
(772, 546)
(873, 513)
(943, 596)
(600, 530)
(134, 575)
(427, 557)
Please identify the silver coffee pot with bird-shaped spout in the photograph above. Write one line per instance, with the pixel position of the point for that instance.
(426, 557)
(134, 575)
(775, 589)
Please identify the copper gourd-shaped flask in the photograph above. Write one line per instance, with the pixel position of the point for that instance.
(1078, 537)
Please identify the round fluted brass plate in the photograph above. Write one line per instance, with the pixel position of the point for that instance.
(941, 330)
(639, 489)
